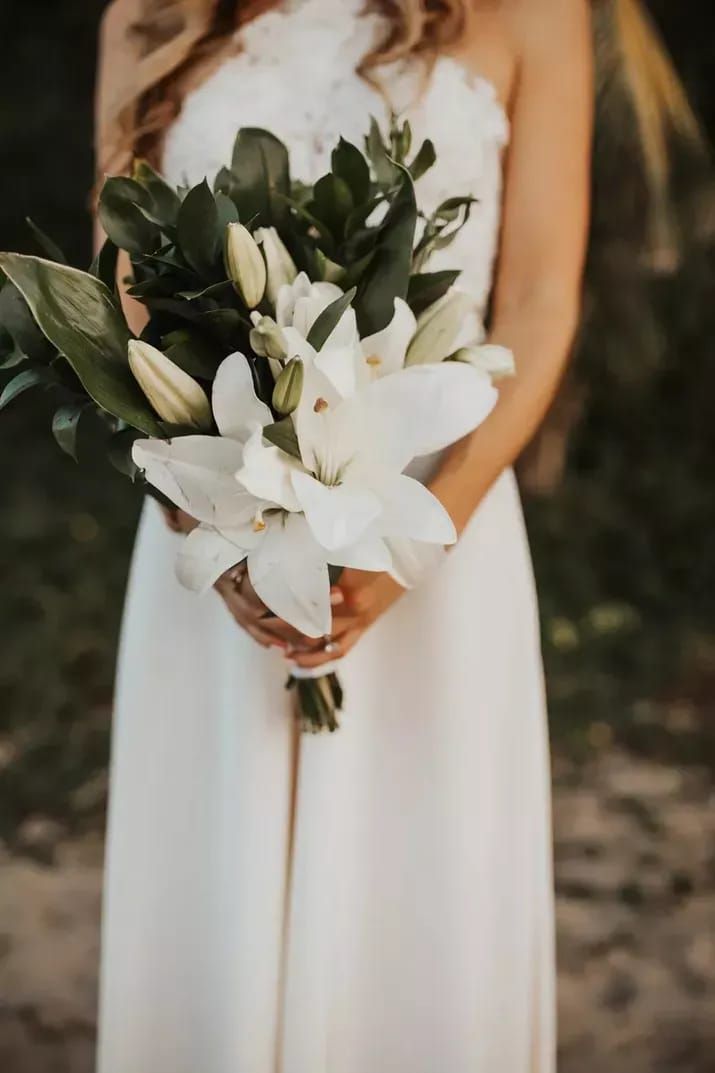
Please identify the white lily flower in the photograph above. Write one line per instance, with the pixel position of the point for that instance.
(351, 486)
(280, 267)
(176, 396)
(287, 567)
(438, 328)
(245, 264)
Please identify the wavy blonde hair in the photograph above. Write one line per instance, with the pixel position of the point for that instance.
(159, 49)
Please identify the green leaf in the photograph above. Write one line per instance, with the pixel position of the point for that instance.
(326, 322)
(65, 425)
(426, 288)
(192, 353)
(379, 156)
(227, 211)
(332, 203)
(282, 434)
(388, 274)
(38, 377)
(80, 318)
(104, 265)
(423, 161)
(321, 229)
(120, 451)
(261, 170)
(17, 320)
(12, 357)
(225, 325)
(165, 200)
(119, 214)
(46, 244)
(206, 292)
(350, 165)
(198, 229)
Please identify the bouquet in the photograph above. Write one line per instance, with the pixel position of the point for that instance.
(297, 357)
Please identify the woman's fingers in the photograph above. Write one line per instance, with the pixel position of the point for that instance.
(313, 660)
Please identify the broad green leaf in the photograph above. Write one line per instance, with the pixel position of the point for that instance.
(350, 165)
(119, 214)
(192, 353)
(227, 211)
(11, 356)
(46, 244)
(282, 434)
(383, 166)
(38, 377)
(388, 274)
(332, 203)
(166, 201)
(65, 426)
(120, 451)
(80, 318)
(426, 288)
(321, 229)
(261, 169)
(19, 323)
(226, 325)
(326, 322)
(198, 230)
(104, 265)
(423, 161)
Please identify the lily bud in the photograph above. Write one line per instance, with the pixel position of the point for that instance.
(438, 328)
(176, 396)
(280, 269)
(496, 361)
(267, 339)
(245, 265)
(288, 387)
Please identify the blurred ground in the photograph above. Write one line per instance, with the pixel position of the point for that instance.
(635, 875)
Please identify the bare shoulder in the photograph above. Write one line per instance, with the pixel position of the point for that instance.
(548, 28)
(504, 36)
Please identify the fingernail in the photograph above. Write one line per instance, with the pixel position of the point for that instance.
(337, 597)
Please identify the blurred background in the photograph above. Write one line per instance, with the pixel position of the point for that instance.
(618, 497)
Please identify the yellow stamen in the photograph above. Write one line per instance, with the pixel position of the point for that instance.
(373, 360)
(258, 524)
(320, 406)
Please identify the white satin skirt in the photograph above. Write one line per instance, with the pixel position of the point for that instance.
(378, 900)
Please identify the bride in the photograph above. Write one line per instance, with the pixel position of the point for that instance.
(378, 900)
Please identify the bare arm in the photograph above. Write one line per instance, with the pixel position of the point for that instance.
(538, 286)
(537, 296)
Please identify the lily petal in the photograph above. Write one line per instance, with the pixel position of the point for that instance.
(207, 553)
(413, 561)
(237, 408)
(384, 352)
(197, 474)
(266, 472)
(370, 553)
(289, 572)
(425, 408)
(338, 515)
(411, 510)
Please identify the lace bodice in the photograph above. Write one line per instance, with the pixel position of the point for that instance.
(294, 73)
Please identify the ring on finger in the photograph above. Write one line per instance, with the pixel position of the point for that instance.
(331, 647)
(237, 576)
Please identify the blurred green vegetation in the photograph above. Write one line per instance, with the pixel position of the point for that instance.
(622, 548)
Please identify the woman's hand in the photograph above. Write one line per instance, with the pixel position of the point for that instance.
(236, 591)
(365, 597)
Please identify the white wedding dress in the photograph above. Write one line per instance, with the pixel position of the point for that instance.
(378, 900)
